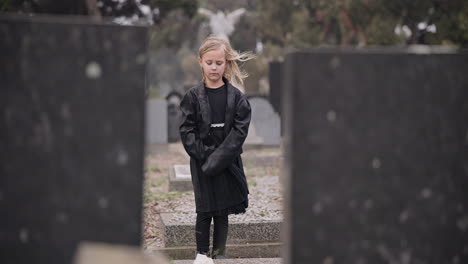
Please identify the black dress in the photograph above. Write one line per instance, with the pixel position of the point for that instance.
(217, 98)
(218, 178)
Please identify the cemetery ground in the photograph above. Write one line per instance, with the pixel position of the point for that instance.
(262, 167)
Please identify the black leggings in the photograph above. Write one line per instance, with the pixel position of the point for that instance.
(202, 233)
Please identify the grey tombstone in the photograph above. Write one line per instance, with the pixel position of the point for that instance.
(71, 142)
(156, 119)
(265, 124)
(377, 157)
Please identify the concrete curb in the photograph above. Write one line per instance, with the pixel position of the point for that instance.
(247, 250)
(238, 261)
(239, 233)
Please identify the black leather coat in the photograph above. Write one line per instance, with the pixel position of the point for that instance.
(217, 172)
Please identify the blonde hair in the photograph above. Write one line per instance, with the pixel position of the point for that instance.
(232, 72)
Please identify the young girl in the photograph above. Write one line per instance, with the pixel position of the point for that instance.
(215, 122)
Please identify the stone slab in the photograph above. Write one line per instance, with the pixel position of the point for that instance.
(180, 233)
(238, 261)
(182, 172)
(376, 157)
(180, 179)
(241, 251)
(72, 135)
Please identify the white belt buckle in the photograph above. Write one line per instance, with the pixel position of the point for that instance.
(217, 125)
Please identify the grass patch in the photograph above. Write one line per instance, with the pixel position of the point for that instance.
(262, 171)
(270, 150)
(247, 165)
(252, 182)
(149, 197)
(159, 182)
(152, 182)
(152, 168)
(154, 196)
(168, 196)
(272, 171)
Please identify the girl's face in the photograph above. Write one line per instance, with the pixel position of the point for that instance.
(213, 64)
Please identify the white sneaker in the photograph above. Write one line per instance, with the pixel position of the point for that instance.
(203, 259)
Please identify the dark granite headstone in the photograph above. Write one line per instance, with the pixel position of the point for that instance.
(275, 79)
(174, 116)
(377, 157)
(72, 108)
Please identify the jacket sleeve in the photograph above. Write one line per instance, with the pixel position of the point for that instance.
(231, 147)
(188, 129)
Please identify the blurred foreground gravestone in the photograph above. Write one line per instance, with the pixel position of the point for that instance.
(101, 253)
(71, 147)
(377, 157)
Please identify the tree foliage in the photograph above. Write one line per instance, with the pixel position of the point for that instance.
(309, 23)
(154, 11)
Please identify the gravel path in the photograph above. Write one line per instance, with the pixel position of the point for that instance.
(264, 204)
(262, 167)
